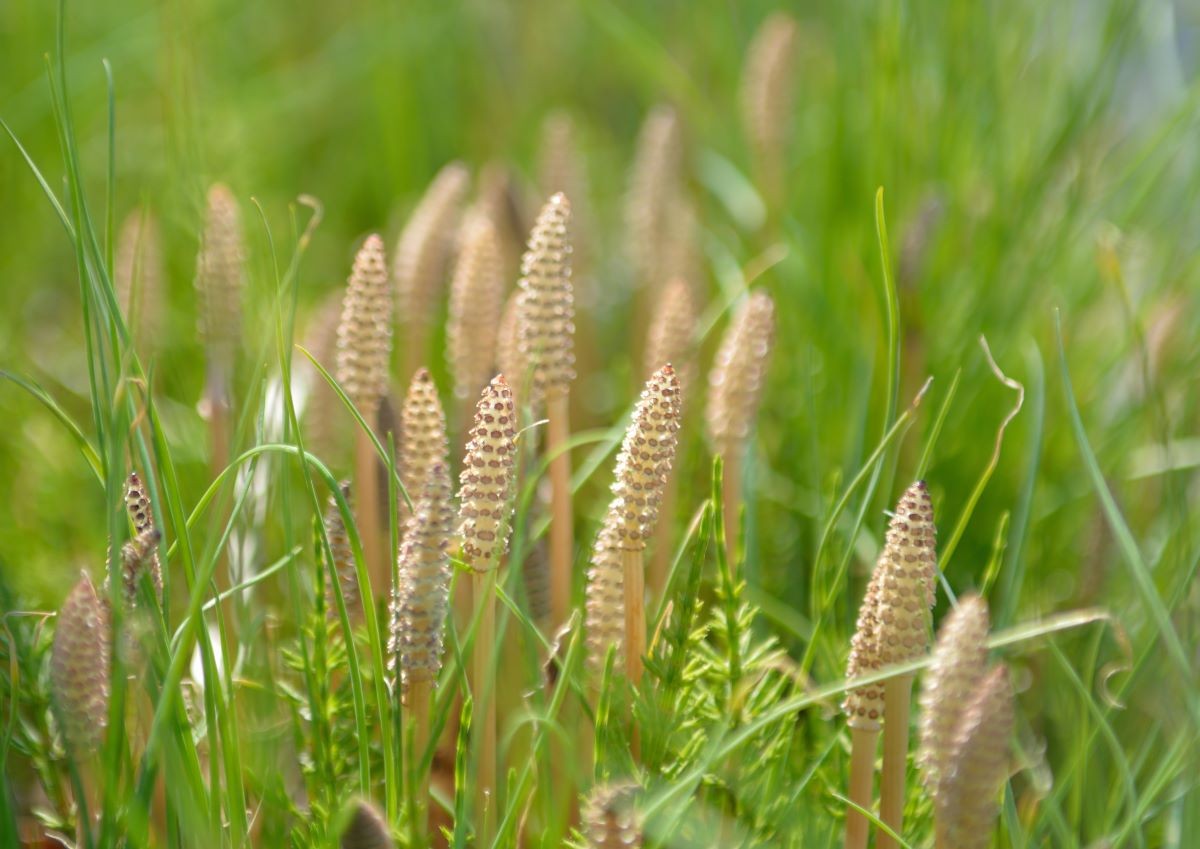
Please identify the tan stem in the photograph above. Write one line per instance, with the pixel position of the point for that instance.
(635, 614)
(366, 503)
(562, 541)
(862, 779)
(420, 695)
(731, 495)
(897, 695)
(660, 562)
(482, 689)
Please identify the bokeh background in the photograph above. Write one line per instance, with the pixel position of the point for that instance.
(1034, 157)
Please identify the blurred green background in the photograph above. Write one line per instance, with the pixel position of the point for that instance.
(1034, 157)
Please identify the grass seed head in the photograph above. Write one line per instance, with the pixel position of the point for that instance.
(978, 765)
(220, 278)
(421, 595)
(476, 298)
(546, 307)
(959, 663)
(425, 244)
(655, 184)
(342, 568)
(672, 332)
(908, 570)
(364, 335)
(487, 478)
(739, 372)
(423, 442)
(367, 829)
(138, 276)
(644, 463)
(768, 85)
(79, 668)
(610, 819)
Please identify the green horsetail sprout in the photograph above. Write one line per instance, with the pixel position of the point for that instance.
(485, 515)
(906, 595)
(655, 183)
(141, 553)
(735, 390)
(421, 254)
(476, 298)
(341, 569)
(643, 467)
(364, 348)
(610, 819)
(508, 347)
(977, 767)
(863, 707)
(220, 278)
(139, 276)
(367, 829)
(546, 330)
(767, 90)
(79, 668)
(423, 444)
(959, 664)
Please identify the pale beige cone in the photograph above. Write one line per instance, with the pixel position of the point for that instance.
(341, 569)
(546, 309)
(768, 91)
(423, 442)
(364, 335)
(79, 668)
(220, 279)
(487, 479)
(654, 185)
(476, 299)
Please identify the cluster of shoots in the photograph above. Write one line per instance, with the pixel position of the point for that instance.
(966, 712)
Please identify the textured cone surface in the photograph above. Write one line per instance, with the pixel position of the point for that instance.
(978, 765)
(605, 599)
(738, 374)
(364, 336)
(644, 463)
(864, 706)
(546, 307)
(959, 663)
(421, 594)
(219, 278)
(342, 568)
(367, 829)
(79, 668)
(768, 84)
(425, 244)
(909, 570)
(143, 548)
(476, 298)
(423, 442)
(610, 817)
(670, 339)
(486, 489)
(654, 188)
(138, 276)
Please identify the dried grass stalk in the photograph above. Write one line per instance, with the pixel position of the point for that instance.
(476, 298)
(79, 668)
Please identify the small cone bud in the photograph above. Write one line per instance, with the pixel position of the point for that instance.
(364, 336)
(79, 668)
(487, 479)
(738, 374)
(546, 309)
